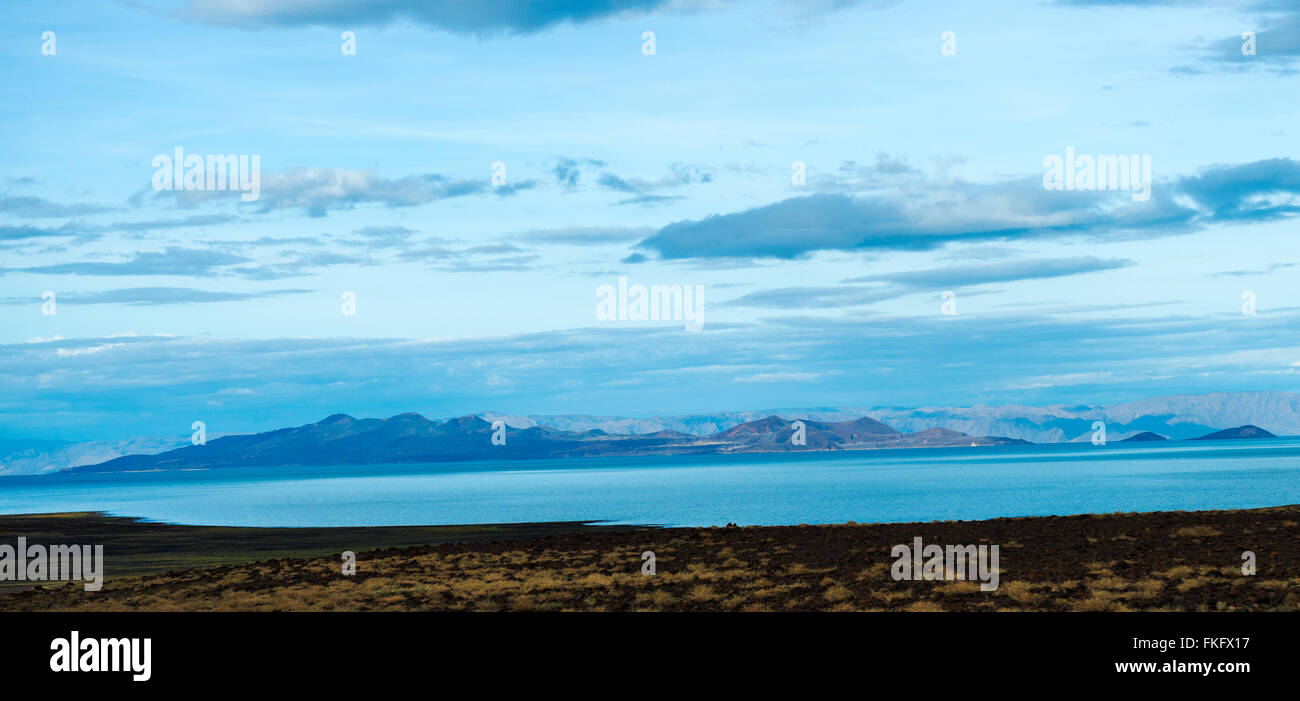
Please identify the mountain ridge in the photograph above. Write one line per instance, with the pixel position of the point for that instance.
(1175, 417)
(340, 439)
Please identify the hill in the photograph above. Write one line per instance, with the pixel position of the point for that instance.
(1239, 432)
(410, 438)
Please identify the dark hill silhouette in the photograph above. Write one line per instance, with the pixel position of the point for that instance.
(1144, 436)
(409, 438)
(1246, 431)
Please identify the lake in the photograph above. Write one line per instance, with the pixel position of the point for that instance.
(830, 487)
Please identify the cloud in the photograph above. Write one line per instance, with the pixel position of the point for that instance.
(584, 236)
(1133, 3)
(273, 241)
(1243, 273)
(83, 232)
(888, 165)
(795, 227)
(779, 377)
(1277, 44)
(318, 191)
(912, 218)
(568, 171)
(299, 264)
(457, 16)
(40, 208)
(679, 174)
(980, 252)
(173, 260)
(492, 248)
(496, 257)
(899, 284)
(25, 232)
(516, 263)
(87, 350)
(851, 175)
(814, 297)
(613, 182)
(162, 224)
(375, 245)
(650, 200)
(153, 296)
(150, 383)
(1259, 191)
(1277, 36)
(1010, 271)
(385, 236)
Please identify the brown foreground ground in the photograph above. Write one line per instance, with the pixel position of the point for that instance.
(1174, 561)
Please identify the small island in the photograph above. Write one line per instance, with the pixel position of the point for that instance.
(1247, 431)
(1144, 436)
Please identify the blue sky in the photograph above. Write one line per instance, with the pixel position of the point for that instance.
(924, 175)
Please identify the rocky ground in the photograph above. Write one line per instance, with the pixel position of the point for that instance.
(1177, 561)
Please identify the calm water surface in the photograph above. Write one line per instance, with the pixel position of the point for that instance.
(867, 486)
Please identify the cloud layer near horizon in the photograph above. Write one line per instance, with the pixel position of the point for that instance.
(461, 16)
(929, 216)
(120, 386)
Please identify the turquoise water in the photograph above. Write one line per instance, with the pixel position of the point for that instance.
(866, 486)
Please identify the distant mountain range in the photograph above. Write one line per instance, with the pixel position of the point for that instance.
(1177, 417)
(343, 440)
(30, 457)
(411, 437)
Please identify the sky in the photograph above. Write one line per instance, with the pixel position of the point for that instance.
(467, 177)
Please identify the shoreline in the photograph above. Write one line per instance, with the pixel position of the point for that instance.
(1161, 560)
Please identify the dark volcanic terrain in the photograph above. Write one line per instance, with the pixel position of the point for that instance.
(1169, 561)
